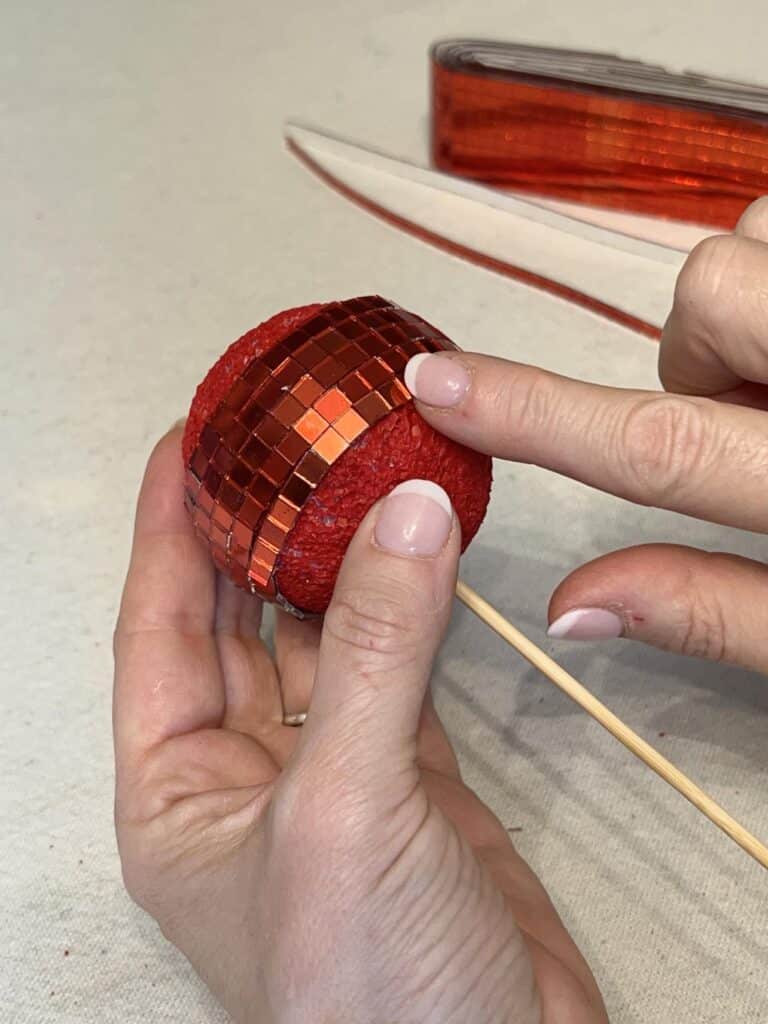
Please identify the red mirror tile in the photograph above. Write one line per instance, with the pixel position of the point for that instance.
(351, 425)
(310, 426)
(332, 405)
(270, 443)
(330, 446)
(293, 446)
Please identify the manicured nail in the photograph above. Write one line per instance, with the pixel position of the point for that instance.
(415, 520)
(436, 380)
(586, 624)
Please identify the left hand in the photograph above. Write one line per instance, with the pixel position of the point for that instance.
(341, 871)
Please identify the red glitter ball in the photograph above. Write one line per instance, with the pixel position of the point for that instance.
(399, 447)
(225, 370)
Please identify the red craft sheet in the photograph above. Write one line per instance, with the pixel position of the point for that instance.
(598, 130)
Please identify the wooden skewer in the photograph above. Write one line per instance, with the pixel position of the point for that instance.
(636, 744)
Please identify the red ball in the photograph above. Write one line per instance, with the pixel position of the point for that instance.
(399, 447)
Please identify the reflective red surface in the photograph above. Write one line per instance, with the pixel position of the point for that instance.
(640, 153)
(288, 417)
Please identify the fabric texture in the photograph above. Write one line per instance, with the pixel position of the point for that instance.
(150, 214)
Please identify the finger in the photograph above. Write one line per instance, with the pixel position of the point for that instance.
(167, 675)
(389, 611)
(691, 455)
(716, 336)
(296, 645)
(252, 694)
(753, 223)
(676, 598)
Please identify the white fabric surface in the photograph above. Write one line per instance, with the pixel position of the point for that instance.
(149, 216)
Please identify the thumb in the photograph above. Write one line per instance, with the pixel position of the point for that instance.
(704, 604)
(381, 632)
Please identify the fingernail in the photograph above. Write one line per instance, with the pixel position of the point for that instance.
(586, 624)
(415, 520)
(179, 423)
(436, 380)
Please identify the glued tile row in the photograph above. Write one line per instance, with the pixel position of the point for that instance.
(287, 418)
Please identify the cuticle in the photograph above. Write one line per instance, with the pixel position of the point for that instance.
(621, 610)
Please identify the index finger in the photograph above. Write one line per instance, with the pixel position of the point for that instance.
(691, 455)
(167, 675)
(716, 336)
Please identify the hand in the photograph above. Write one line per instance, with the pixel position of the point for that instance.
(339, 872)
(701, 449)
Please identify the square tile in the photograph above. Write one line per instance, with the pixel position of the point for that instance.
(351, 329)
(262, 490)
(297, 490)
(254, 452)
(328, 372)
(309, 354)
(354, 387)
(209, 440)
(288, 410)
(199, 463)
(255, 374)
(332, 405)
(230, 496)
(250, 513)
(289, 373)
(270, 431)
(293, 446)
(242, 535)
(240, 474)
(310, 426)
(236, 436)
(330, 446)
(374, 372)
(272, 534)
(212, 481)
(239, 394)
(312, 468)
(276, 468)
(372, 407)
(307, 390)
(351, 425)
(270, 392)
(205, 501)
(283, 513)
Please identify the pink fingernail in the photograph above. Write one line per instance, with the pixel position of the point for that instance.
(436, 380)
(586, 624)
(415, 520)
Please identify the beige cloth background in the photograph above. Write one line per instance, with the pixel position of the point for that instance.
(149, 216)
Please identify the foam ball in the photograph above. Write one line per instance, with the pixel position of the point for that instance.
(373, 440)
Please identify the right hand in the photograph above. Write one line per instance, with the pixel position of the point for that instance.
(700, 449)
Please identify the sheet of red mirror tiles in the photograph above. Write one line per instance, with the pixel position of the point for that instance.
(289, 416)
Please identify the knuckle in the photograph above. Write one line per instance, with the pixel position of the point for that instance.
(373, 626)
(319, 813)
(663, 443)
(704, 628)
(754, 221)
(706, 270)
(523, 403)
